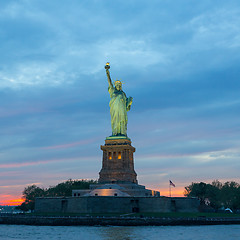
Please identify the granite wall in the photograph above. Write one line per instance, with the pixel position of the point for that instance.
(115, 204)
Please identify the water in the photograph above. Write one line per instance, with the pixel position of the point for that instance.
(221, 232)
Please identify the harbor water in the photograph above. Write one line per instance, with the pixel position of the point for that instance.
(210, 232)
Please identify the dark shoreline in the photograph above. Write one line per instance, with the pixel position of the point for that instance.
(116, 221)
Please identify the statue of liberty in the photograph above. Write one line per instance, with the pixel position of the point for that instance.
(119, 105)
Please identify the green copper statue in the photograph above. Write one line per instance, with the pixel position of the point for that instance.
(119, 105)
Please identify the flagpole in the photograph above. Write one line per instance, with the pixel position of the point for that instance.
(170, 190)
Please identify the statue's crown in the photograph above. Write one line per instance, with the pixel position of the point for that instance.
(118, 81)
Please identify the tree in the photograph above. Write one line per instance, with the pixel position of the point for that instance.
(230, 195)
(29, 195)
(218, 194)
(65, 188)
(198, 190)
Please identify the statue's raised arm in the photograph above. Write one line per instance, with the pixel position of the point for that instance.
(119, 105)
(107, 67)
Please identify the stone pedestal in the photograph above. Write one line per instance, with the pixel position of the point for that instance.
(117, 164)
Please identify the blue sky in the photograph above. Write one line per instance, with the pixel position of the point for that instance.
(179, 60)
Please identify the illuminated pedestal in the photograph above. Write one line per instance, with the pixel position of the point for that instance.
(117, 163)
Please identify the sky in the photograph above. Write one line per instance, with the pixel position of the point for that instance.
(179, 60)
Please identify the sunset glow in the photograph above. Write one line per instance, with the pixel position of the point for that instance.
(10, 200)
(15, 202)
(175, 192)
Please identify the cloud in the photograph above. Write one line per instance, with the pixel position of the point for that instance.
(56, 49)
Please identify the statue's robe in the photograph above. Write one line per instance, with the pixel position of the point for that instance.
(119, 105)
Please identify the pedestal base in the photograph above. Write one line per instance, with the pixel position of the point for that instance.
(117, 164)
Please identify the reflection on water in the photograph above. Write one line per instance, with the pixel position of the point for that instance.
(127, 233)
(223, 232)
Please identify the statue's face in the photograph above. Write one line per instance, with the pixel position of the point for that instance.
(118, 86)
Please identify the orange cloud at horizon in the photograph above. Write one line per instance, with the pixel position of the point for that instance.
(16, 202)
(10, 200)
(175, 192)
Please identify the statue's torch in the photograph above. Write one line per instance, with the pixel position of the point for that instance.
(107, 66)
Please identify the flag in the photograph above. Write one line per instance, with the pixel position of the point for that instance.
(171, 183)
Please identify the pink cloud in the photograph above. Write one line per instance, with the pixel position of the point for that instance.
(26, 164)
(69, 145)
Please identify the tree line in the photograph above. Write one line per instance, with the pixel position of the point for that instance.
(63, 189)
(217, 195)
